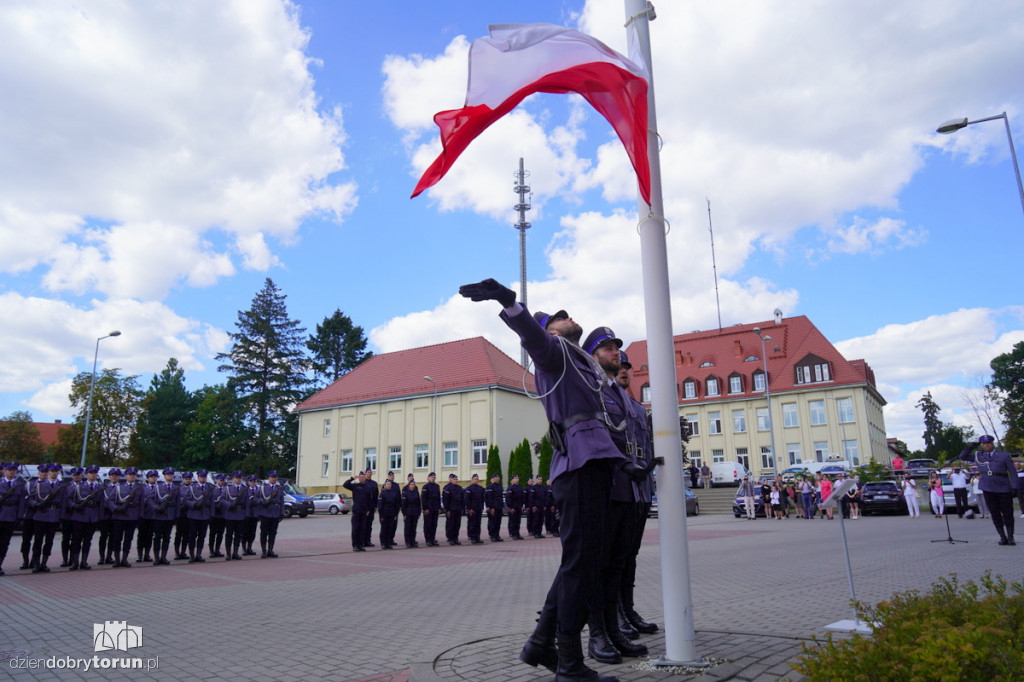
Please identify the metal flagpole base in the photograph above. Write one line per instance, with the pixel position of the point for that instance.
(858, 626)
(662, 662)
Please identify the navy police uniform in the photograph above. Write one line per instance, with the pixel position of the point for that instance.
(270, 501)
(494, 500)
(454, 498)
(217, 523)
(124, 505)
(163, 504)
(411, 508)
(196, 499)
(474, 509)
(232, 502)
(431, 498)
(65, 518)
(47, 502)
(361, 506)
(389, 503)
(144, 538)
(84, 500)
(514, 499)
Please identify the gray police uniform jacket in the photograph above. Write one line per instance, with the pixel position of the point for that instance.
(639, 434)
(13, 493)
(998, 475)
(570, 385)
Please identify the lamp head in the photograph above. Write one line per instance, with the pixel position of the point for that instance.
(952, 126)
(426, 378)
(114, 333)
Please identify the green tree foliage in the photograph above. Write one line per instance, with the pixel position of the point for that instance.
(267, 370)
(167, 410)
(521, 462)
(19, 439)
(493, 462)
(218, 437)
(1008, 381)
(544, 457)
(115, 412)
(951, 440)
(68, 448)
(932, 424)
(337, 347)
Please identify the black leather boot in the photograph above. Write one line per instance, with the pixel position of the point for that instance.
(600, 648)
(540, 647)
(641, 625)
(41, 565)
(571, 667)
(627, 647)
(625, 626)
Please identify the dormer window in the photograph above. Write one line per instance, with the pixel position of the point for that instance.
(752, 358)
(712, 384)
(735, 383)
(813, 369)
(707, 363)
(690, 389)
(759, 381)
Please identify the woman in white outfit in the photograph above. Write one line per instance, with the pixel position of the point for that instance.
(910, 495)
(937, 498)
(978, 496)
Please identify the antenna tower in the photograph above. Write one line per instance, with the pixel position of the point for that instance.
(522, 189)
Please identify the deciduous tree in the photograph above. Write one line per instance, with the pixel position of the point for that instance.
(19, 439)
(115, 413)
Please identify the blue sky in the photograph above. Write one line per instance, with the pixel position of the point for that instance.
(160, 161)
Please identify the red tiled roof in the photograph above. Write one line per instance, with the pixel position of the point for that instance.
(49, 433)
(456, 365)
(793, 340)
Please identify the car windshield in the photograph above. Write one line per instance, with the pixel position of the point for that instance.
(880, 486)
(294, 489)
(921, 463)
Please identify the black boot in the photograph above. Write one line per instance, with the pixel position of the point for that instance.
(625, 627)
(570, 662)
(540, 647)
(270, 550)
(263, 550)
(41, 565)
(116, 563)
(600, 647)
(641, 625)
(26, 564)
(73, 562)
(628, 648)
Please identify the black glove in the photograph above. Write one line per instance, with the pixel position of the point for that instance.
(489, 290)
(637, 473)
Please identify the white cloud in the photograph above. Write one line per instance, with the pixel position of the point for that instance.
(862, 236)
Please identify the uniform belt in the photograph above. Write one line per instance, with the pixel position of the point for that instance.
(580, 417)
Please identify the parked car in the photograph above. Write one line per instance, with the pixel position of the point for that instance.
(692, 504)
(727, 473)
(333, 503)
(740, 509)
(882, 496)
(949, 499)
(921, 468)
(296, 501)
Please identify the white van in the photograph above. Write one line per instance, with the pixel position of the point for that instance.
(727, 473)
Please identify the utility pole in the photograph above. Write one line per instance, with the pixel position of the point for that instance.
(522, 189)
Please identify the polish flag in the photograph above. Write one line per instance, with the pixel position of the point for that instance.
(517, 60)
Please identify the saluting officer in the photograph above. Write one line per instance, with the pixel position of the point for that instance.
(85, 501)
(232, 502)
(270, 503)
(252, 519)
(217, 517)
(539, 504)
(181, 520)
(371, 485)
(514, 498)
(361, 497)
(47, 502)
(65, 518)
(163, 504)
(144, 539)
(389, 503)
(474, 509)
(411, 512)
(431, 497)
(105, 525)
(494, 500)
(28, 516)
(124, 507)
(998, 483)
(196, 499)
(454, 499)
(12, 496)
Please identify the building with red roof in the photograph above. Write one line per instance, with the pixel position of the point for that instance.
(436, 408)
(823, 406)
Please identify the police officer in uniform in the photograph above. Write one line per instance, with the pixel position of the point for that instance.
(124, 507)
(144, 538)
(217, 517)
(181, 520)
(454, 499)
(105, 526)
(998, 483)
(251, 516)
(494, 500)
(474, 509)
(514, 498)
(232, 503)
(196, 498)
(431, 498)
(361, 501)
(371, 485)
(389, 503)
(84, 500)
(12, 496)
(28, 516)
(65, 518)
(411, 509)
(529, 501)
(538, 505)
(163, 504)
(47, 503)
(270, 501)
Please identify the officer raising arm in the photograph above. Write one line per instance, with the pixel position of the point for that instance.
(999, 481)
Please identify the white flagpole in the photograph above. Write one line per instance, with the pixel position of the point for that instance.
(680, 638)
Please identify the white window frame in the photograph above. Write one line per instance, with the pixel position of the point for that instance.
(790, 415)
(693, 421)
(735, 384)
(694, 456)
(820, 450)
(712, 385)
(767, 460)
(346, 460)
(759, 382)
(739, 421)
(327, 428)
(645, 394)
(717, 456)
(690, 389)
(395, 458)
(816, 408)
(326, 466)
(370, 459)
(851, 451)
(743, 457)
(714, 423)
(422, 456)
(762, 419)
(480, 452)
(844, 407)
(451, 454)
(793, 453)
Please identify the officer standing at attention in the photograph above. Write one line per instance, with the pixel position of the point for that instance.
(181, 520)
(361, 497)
(389, 503)
(217, 517)
(232, 502)
(999, 480)
(196, 498)
(28, 516)
(529, 505)
(431, 498)
(164, 507)
(474, 509)
(85, 500)
(12, 496)
(270, 498)
(47, 502)
(411, 512)
(569, 386)
(65, 518)
(371, 485)
(251, 516)
(454, 499)
(144, 540)
(124, 513)
(105, 526)
(514, 498)
(538, 506)
(494, 500)
(551, 513)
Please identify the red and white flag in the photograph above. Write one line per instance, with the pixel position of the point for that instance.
(517, 60)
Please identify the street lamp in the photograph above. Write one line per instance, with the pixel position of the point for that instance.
(433, 429)
(957, 123)
(92, 388)
(768, 397)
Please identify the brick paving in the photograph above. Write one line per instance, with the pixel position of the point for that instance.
(760, 589)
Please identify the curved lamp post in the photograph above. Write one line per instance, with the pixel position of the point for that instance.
(768, 397)
(92, 388)
(956, 124)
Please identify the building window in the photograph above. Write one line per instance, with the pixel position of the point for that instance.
(422, 457)
(395, 458)
(767, 461)
(714, 422)
(712, 386)
(850, 452)
(346, 460)
(759, 381)
(693, 422)
(793, 453)
(789, 417)
(694, 456)
(762, 419)
(735, 384)
(707, 363)
(451, 454)
(689, 389)
(479, 453)
(813, 372)
(326, 466)
(370, 459)
(817, 409)
(645, 394)
(743, 457)
(845, 408)
(739, 421)
(821, 450)
(718, 456)
(327, 428)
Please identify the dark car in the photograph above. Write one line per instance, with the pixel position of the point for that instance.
(740, 509)
(882, 496)
(692, 505)
(921, 468)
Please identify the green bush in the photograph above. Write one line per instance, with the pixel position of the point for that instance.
(954, 632)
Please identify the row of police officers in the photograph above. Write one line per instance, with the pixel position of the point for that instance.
(81, 507)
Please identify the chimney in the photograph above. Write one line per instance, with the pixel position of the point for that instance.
(737, 348)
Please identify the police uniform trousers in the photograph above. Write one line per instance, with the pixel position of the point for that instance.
(249, 532)
(388, 528)
(359, 524)
(494, 524)
(430, 526)
(145, 538)
(582, 498)
(368, 530)
(6, 533)
(81, 541)
(28, 531)
(105, 528)
(233, 530)
(531, 522)
(161, 537)
(1000, 507)
(268, 531)
(196, 537)
(42, 542)
(180, 535)
(65, 541)
(620, 538)
(410, 523)
(123, 534)
(453, 526)
(473, 523)
(514, 517)
(551, 520)
(216, 533)
(640, 511)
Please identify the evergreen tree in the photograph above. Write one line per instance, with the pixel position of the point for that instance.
(1008, 382)
(544, 457)
(266, 368)
(115, 412)
(167, 410)
(337, 347)
(493, 462)
(521, 462)
(217, 438)
(951, 440)
(19, 439)
(932, 424)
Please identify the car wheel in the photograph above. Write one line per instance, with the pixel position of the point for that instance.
(287, 512)
(303, 515)
(334, 509)
(736, 515)
(345, 511)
